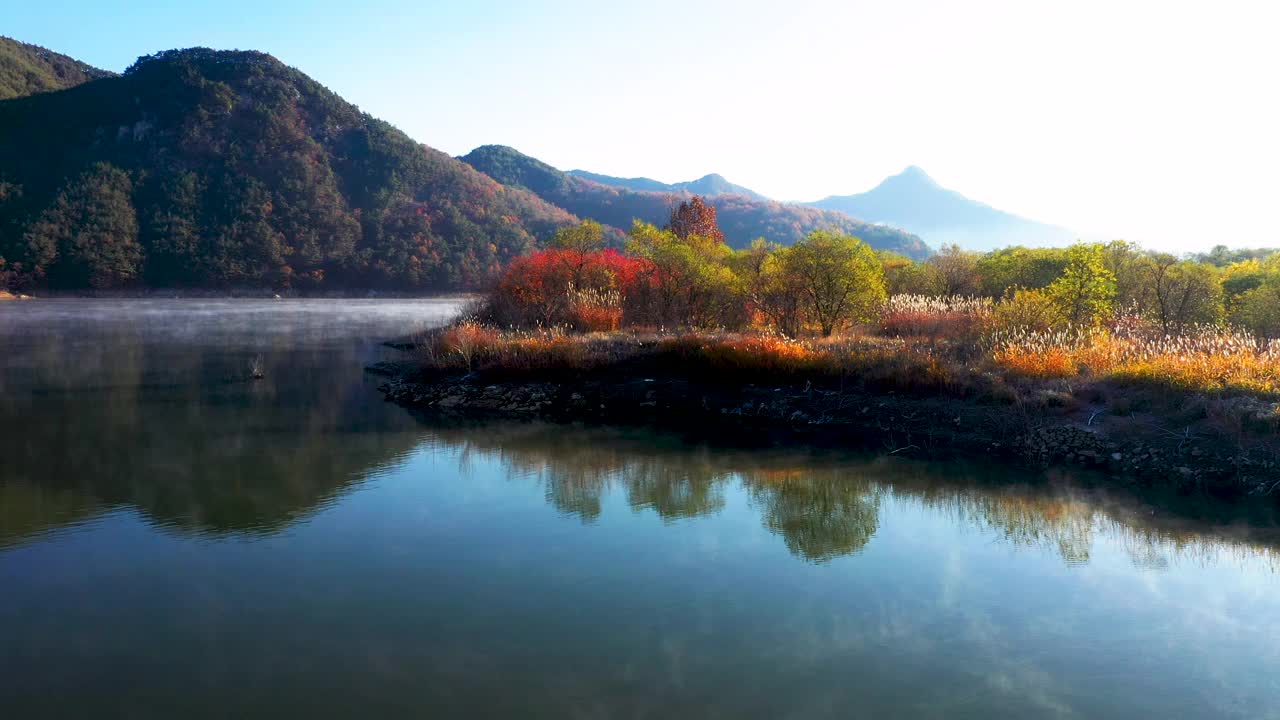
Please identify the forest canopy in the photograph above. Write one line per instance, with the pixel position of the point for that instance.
(29, 69)
(200, 168)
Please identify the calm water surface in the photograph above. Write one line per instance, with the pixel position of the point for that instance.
(179, 541)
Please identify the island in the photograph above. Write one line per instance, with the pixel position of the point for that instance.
(1144, 367)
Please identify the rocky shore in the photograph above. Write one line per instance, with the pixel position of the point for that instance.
(889, 423)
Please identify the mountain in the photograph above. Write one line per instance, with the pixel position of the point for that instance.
(913, 201)
(741, 218)
(707, 186)
(30, 69)
(206, 168)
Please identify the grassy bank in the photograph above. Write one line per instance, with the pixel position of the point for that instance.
(1199, 409)
(1123, 366)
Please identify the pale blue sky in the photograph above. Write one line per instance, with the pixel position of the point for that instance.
(1154, 121)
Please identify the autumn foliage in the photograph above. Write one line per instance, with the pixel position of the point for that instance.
(695, 217)
(565, 288)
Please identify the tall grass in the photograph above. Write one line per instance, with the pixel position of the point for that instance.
(1205, 358)
(922, 344)
(953, 317)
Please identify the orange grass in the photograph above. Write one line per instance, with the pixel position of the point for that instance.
(1206, 359)
(720, 357)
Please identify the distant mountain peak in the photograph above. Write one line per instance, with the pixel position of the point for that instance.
(710, 185)
(917, 203)
(915, 175)
(618, 202)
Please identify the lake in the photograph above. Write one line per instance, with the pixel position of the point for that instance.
(178, 539)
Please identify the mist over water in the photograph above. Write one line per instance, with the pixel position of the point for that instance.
(178, 539)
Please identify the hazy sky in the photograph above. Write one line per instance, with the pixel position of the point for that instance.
(1153, 121)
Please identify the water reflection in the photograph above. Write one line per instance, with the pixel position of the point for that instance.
(109, 407)
(821, 515)
(112, 407)
(297, 547)
(827, 505)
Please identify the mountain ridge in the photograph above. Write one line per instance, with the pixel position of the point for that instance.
(741, 218)
(27, 69)
(207, 168)
(708, 185)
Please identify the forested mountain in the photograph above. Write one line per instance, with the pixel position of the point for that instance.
(707, 186)
(30, 69)
(741, 218)
(912, 200)
(206, 168)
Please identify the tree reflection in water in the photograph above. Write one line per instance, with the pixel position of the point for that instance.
(150, 410)
(827, 505)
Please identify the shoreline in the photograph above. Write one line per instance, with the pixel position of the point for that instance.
(890, 423)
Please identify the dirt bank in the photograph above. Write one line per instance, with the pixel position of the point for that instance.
(922, 426)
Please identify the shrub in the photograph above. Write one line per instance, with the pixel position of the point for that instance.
(1027, 310)
(564, 288)
(840, 277)
(685, 281)
(1085, 292)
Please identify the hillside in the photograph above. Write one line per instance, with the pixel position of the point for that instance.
(206, 168)
(741, 218)
(707, 186)
(913, 201)
(30, 69)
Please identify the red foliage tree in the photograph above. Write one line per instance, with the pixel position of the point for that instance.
(695, 217)
(566, 288)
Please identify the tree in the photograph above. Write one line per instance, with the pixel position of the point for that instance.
(88, 237)
(1086, 292)
(689, 283)
(9, 234)
(840, 277)
(771, 290)
(1012, 268)
(1028, 309)
(1128, 264)
(695, 217)
(1239, 278)
(172, 232)
(584, 237)
(564, 288)
(1184, 293)
(902, 276)
(1258, 308)
(957, 269)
